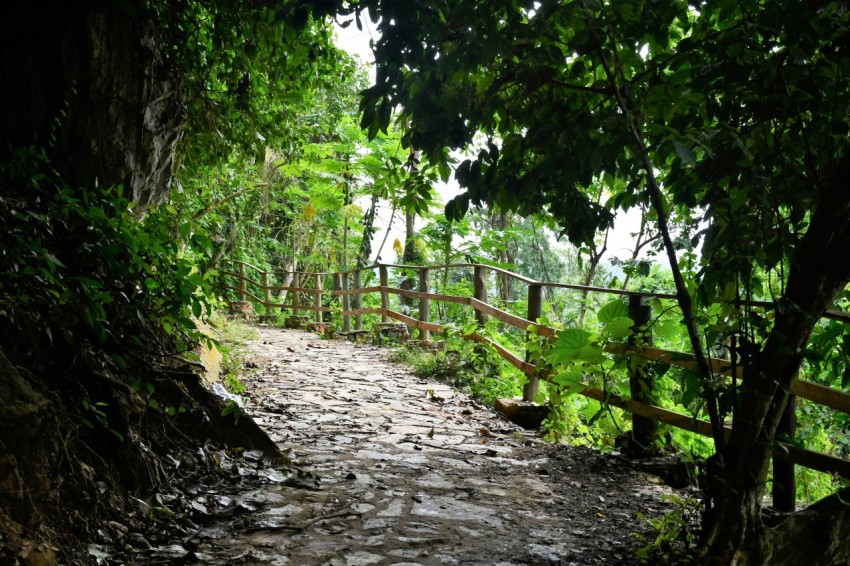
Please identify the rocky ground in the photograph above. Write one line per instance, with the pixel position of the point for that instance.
(396, 470)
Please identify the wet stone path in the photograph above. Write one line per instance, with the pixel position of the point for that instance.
(410, 471)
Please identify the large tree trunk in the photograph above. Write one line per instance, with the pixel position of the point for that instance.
(90, 81)
(734, 532)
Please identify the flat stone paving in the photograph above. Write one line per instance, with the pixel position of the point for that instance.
(410, 471)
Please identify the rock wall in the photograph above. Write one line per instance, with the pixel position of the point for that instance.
(90, 81)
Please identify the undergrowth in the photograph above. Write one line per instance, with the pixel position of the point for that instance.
(233, 333)
(98, 312)
(476, 371)
(80, 269)
(674, 534)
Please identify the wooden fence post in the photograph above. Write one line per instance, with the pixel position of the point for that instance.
(424, 303)
(346, 304)
(644, 430)
(479, 285)
(318, 298)
(296, 295)
(385, 297)
(243, 284)
(535, 311)
(358, 300)
(268, 295)
(784, 485)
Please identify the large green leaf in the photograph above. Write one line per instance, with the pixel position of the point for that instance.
(571, 381)
(615, 309)
(569, 345)
(619, 327)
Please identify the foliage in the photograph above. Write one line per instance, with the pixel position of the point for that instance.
(732, 114)
(247, 67)
(676, 533)
(729, 118)
(81, 270)
(464, 365)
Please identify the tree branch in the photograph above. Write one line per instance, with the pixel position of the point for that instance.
(682, 296)
(218, 202)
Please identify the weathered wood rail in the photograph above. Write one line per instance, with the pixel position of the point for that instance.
(348, 285)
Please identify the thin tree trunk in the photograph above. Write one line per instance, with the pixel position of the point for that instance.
(683, 297)
(386, 234)
(411, 254)
(595, 257)
(346, 200)
(640, 243)
(506, 256)
(368, 233)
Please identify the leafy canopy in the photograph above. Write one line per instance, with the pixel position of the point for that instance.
(742, 107)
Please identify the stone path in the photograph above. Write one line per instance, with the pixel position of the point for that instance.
(412, 472)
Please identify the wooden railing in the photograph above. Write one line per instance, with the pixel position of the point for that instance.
(348, 285)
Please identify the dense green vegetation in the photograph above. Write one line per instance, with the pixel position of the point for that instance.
(733, 114)
(725, 124)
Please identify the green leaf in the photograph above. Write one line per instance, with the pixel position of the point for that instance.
(692, 388)
(619, 327)
(54, 260)
(569, 345)
(592, 354)
(668, 330)
(615, 309)
(469, 329)
(163, 513)
(684, 153)
(571, 381)
(569, 377)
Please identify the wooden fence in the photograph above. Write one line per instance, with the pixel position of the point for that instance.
(306, 292)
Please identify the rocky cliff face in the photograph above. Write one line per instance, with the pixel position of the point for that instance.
(91, 81)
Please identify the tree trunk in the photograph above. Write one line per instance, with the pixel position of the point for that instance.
(595, 257)
(821, 530)
(506, 255)
(368, 233)
(411, 256)
(91, 82)
(734, 532)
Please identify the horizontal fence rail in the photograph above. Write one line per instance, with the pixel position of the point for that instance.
(305, 293)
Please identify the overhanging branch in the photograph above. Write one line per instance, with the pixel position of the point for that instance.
(682, 296)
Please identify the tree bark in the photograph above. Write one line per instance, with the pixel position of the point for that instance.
(506, 256)
(411, 255)
(733, 528)
(90, 81)
(595, 257)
